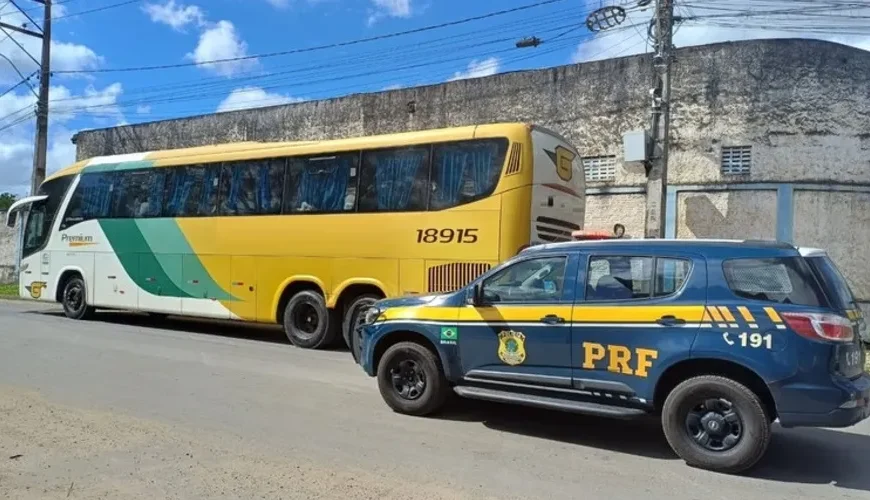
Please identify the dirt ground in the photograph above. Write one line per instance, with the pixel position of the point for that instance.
(50, 451)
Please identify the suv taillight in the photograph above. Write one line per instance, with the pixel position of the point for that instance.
(820, 326)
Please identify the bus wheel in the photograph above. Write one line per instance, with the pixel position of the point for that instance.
(74, 299)
(354, 316)
(308, 323)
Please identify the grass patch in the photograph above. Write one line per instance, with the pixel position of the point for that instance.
(9, 291)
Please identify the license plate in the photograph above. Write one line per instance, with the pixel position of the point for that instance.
(853, 358)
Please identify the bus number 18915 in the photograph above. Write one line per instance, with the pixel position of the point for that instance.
(447, 235)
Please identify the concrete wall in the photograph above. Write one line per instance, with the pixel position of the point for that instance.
(7, 252)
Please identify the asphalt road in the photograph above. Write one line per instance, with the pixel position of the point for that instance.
(125, 407)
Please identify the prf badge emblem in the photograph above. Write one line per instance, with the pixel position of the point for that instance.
(563, 158)
(512, 347)
(36, 289)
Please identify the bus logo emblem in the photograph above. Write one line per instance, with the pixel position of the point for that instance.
(563, 159)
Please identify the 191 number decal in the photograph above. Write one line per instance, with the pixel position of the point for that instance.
(447, 235)
(754, 340)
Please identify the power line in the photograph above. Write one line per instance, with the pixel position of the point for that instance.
(508, 32)
(98, 9)
(319, 47)
(22, 82)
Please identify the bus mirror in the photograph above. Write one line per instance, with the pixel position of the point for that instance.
(11, 217)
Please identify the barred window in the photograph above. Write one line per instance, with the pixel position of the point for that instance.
(600, 168)
(736, 160)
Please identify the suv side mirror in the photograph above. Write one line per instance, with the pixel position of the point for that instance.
(474, 296)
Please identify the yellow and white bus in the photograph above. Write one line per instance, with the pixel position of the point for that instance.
(302, 234)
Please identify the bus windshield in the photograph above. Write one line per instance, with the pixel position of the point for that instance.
(42, 214)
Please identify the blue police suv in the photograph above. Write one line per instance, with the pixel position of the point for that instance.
(719, 338)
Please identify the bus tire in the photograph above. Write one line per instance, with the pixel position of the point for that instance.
(74, 299)
(716, 423)
(308, 323)
(353, 315)
(411, 380)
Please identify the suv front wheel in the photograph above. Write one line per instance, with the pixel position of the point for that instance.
(716, 423)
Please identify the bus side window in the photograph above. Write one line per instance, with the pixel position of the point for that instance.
(90, 200)
(191, 191)
(248, 188)
(321, 184)
(138, 193)
(394, 180)
(465, 171)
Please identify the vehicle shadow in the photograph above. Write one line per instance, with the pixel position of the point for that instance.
(218, 328)
(799, 456)
(643, 437)
(817, 456)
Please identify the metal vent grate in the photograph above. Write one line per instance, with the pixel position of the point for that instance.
(453, 276)
(600, 168)
(553, 230)
(736, 160)
(514, 161)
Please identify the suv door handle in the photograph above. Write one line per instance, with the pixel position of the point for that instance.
(552, 319)
(670, 320)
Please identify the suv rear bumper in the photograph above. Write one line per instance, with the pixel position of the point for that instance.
(854, 408)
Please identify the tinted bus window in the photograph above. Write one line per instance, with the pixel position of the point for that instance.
(780, 280)
(249, 188)
(191, 191)
(394, 180)
(325, 184)
(91, 200)
(466, 171)
(138, 193)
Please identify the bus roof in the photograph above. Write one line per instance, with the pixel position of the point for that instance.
(259, 150)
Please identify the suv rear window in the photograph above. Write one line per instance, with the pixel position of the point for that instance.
(780, 280)
(835, 284)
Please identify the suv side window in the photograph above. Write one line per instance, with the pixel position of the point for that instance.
(786, 280)
(534, 280)
(623, 277)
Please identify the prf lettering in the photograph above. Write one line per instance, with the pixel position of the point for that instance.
(619, 358)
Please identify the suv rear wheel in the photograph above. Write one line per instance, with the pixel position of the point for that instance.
(716, 423)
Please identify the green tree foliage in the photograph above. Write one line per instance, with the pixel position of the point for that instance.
(6, 201)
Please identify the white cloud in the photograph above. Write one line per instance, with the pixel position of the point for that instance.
(626, 40)
(253, 97)
(389, 8)
(176, 16)
(143, 109)
(477, 69)
(64, 57)
(279, 4)
(221, 41)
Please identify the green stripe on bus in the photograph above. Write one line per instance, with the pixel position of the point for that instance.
(158, 258)
(166, 238)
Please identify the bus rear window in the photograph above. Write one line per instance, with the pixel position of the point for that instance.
(779, 280)
(835, 284)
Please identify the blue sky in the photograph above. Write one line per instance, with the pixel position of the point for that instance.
(191, 32)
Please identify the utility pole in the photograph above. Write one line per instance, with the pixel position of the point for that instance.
(44, 63)
(657, 177)
(39, 157)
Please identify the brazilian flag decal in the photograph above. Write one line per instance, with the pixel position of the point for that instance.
(449, 334)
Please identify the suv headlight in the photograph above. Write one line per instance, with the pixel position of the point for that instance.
(371, 315)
